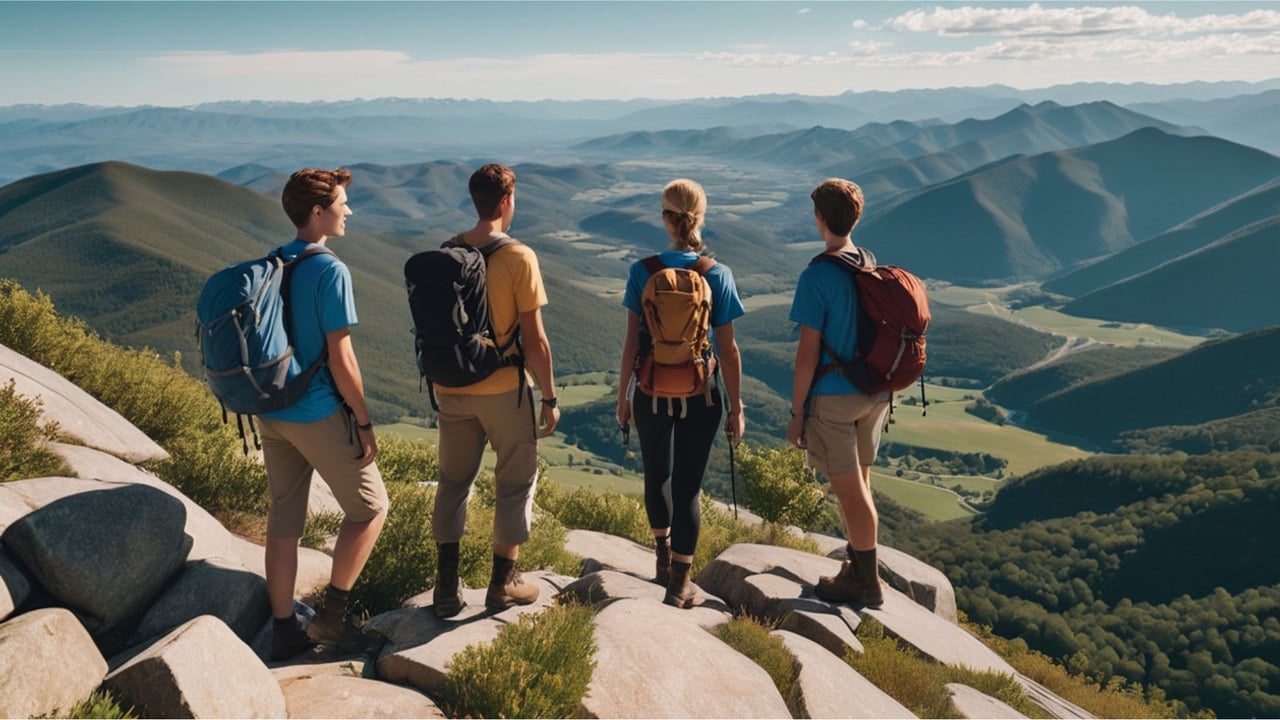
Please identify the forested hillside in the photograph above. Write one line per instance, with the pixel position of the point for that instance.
(1163, 570)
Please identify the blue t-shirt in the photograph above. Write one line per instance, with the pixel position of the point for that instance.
(321, 300)
(826, 301)
(726, 306)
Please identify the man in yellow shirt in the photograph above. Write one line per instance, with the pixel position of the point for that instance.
(493, 409)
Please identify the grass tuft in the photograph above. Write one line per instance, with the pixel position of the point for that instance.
(751, 637)
(24, 451)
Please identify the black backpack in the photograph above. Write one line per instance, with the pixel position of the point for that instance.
(454, 339)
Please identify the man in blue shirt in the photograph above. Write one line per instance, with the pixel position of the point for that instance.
(329, 430)
(838, 425)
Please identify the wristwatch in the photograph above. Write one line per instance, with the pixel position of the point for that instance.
(551, 402)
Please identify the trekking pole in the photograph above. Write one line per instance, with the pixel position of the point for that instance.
(733, 474)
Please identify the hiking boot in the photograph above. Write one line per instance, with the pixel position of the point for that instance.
(330, 625)
(506, 587)
(680, 591)
(446, 597)
(858, 581)
(662, 568)
(289, 639)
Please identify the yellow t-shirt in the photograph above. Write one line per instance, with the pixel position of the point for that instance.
(515, 287)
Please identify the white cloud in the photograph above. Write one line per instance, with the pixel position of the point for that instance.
(860, 25)
(867, 47)
(1036, 20)
(804, 11)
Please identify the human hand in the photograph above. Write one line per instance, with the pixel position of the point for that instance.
(795, 432)
(548, 421)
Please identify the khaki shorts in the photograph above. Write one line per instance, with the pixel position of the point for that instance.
(843, 431)
(292, 450)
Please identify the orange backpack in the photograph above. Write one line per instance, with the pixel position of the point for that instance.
(675, 358)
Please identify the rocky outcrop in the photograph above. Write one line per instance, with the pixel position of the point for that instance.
(137, 567)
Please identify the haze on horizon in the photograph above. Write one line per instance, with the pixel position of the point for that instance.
(183, 53)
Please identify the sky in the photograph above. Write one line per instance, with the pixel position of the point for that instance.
(184, 53)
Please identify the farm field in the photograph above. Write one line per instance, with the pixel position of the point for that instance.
(938, 503)
(948, 427)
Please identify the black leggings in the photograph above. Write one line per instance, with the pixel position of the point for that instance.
(676, 448)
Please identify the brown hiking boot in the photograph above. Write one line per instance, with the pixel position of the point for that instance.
(506, 587)
(330, 625)
(289, 639)
(858, 581)
(662, 568)
(446, 597)
(680, 591)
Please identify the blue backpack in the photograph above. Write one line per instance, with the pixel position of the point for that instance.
(243, 330)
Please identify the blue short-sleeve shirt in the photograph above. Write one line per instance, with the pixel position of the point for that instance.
(726, 305)
(321, 300)
(826, 301)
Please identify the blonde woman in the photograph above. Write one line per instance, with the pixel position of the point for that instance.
(676, 432)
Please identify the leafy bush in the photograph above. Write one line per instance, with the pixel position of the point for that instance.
(401, 460)
(23, 453)
(539, 667)
(319, 528)
(779, 487)
(750, 637)
(585, 509)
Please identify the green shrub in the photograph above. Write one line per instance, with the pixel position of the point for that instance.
(585, 509)
(779, 488)
(539, 667)
(23, 450)
(750, 637)
(401, 460)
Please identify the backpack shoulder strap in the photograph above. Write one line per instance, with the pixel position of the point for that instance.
(854, 262)
(653, 264)
(702, 264)
(285, 283)
(503, 240)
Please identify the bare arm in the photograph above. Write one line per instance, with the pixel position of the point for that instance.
(731, 373)
(537, 358)
(630, 346)
(350, 384)
(807, 354)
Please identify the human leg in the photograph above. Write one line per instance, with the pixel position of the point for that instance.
(289, 482)
(654, 433)
(512, 432)
(461, 449)
(695, 433)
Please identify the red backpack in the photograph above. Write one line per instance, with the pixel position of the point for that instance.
(892, 317)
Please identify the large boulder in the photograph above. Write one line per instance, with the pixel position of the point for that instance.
(794, 607)
(725, 575)
(214, 587)
(200, 670)
(105, 554)
(14, 586)
(827, 687)
(48, 662)
(77, 413)
(653, 661)
(209, 538)
(940, 639)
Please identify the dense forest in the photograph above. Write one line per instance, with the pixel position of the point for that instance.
(1161, 569)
